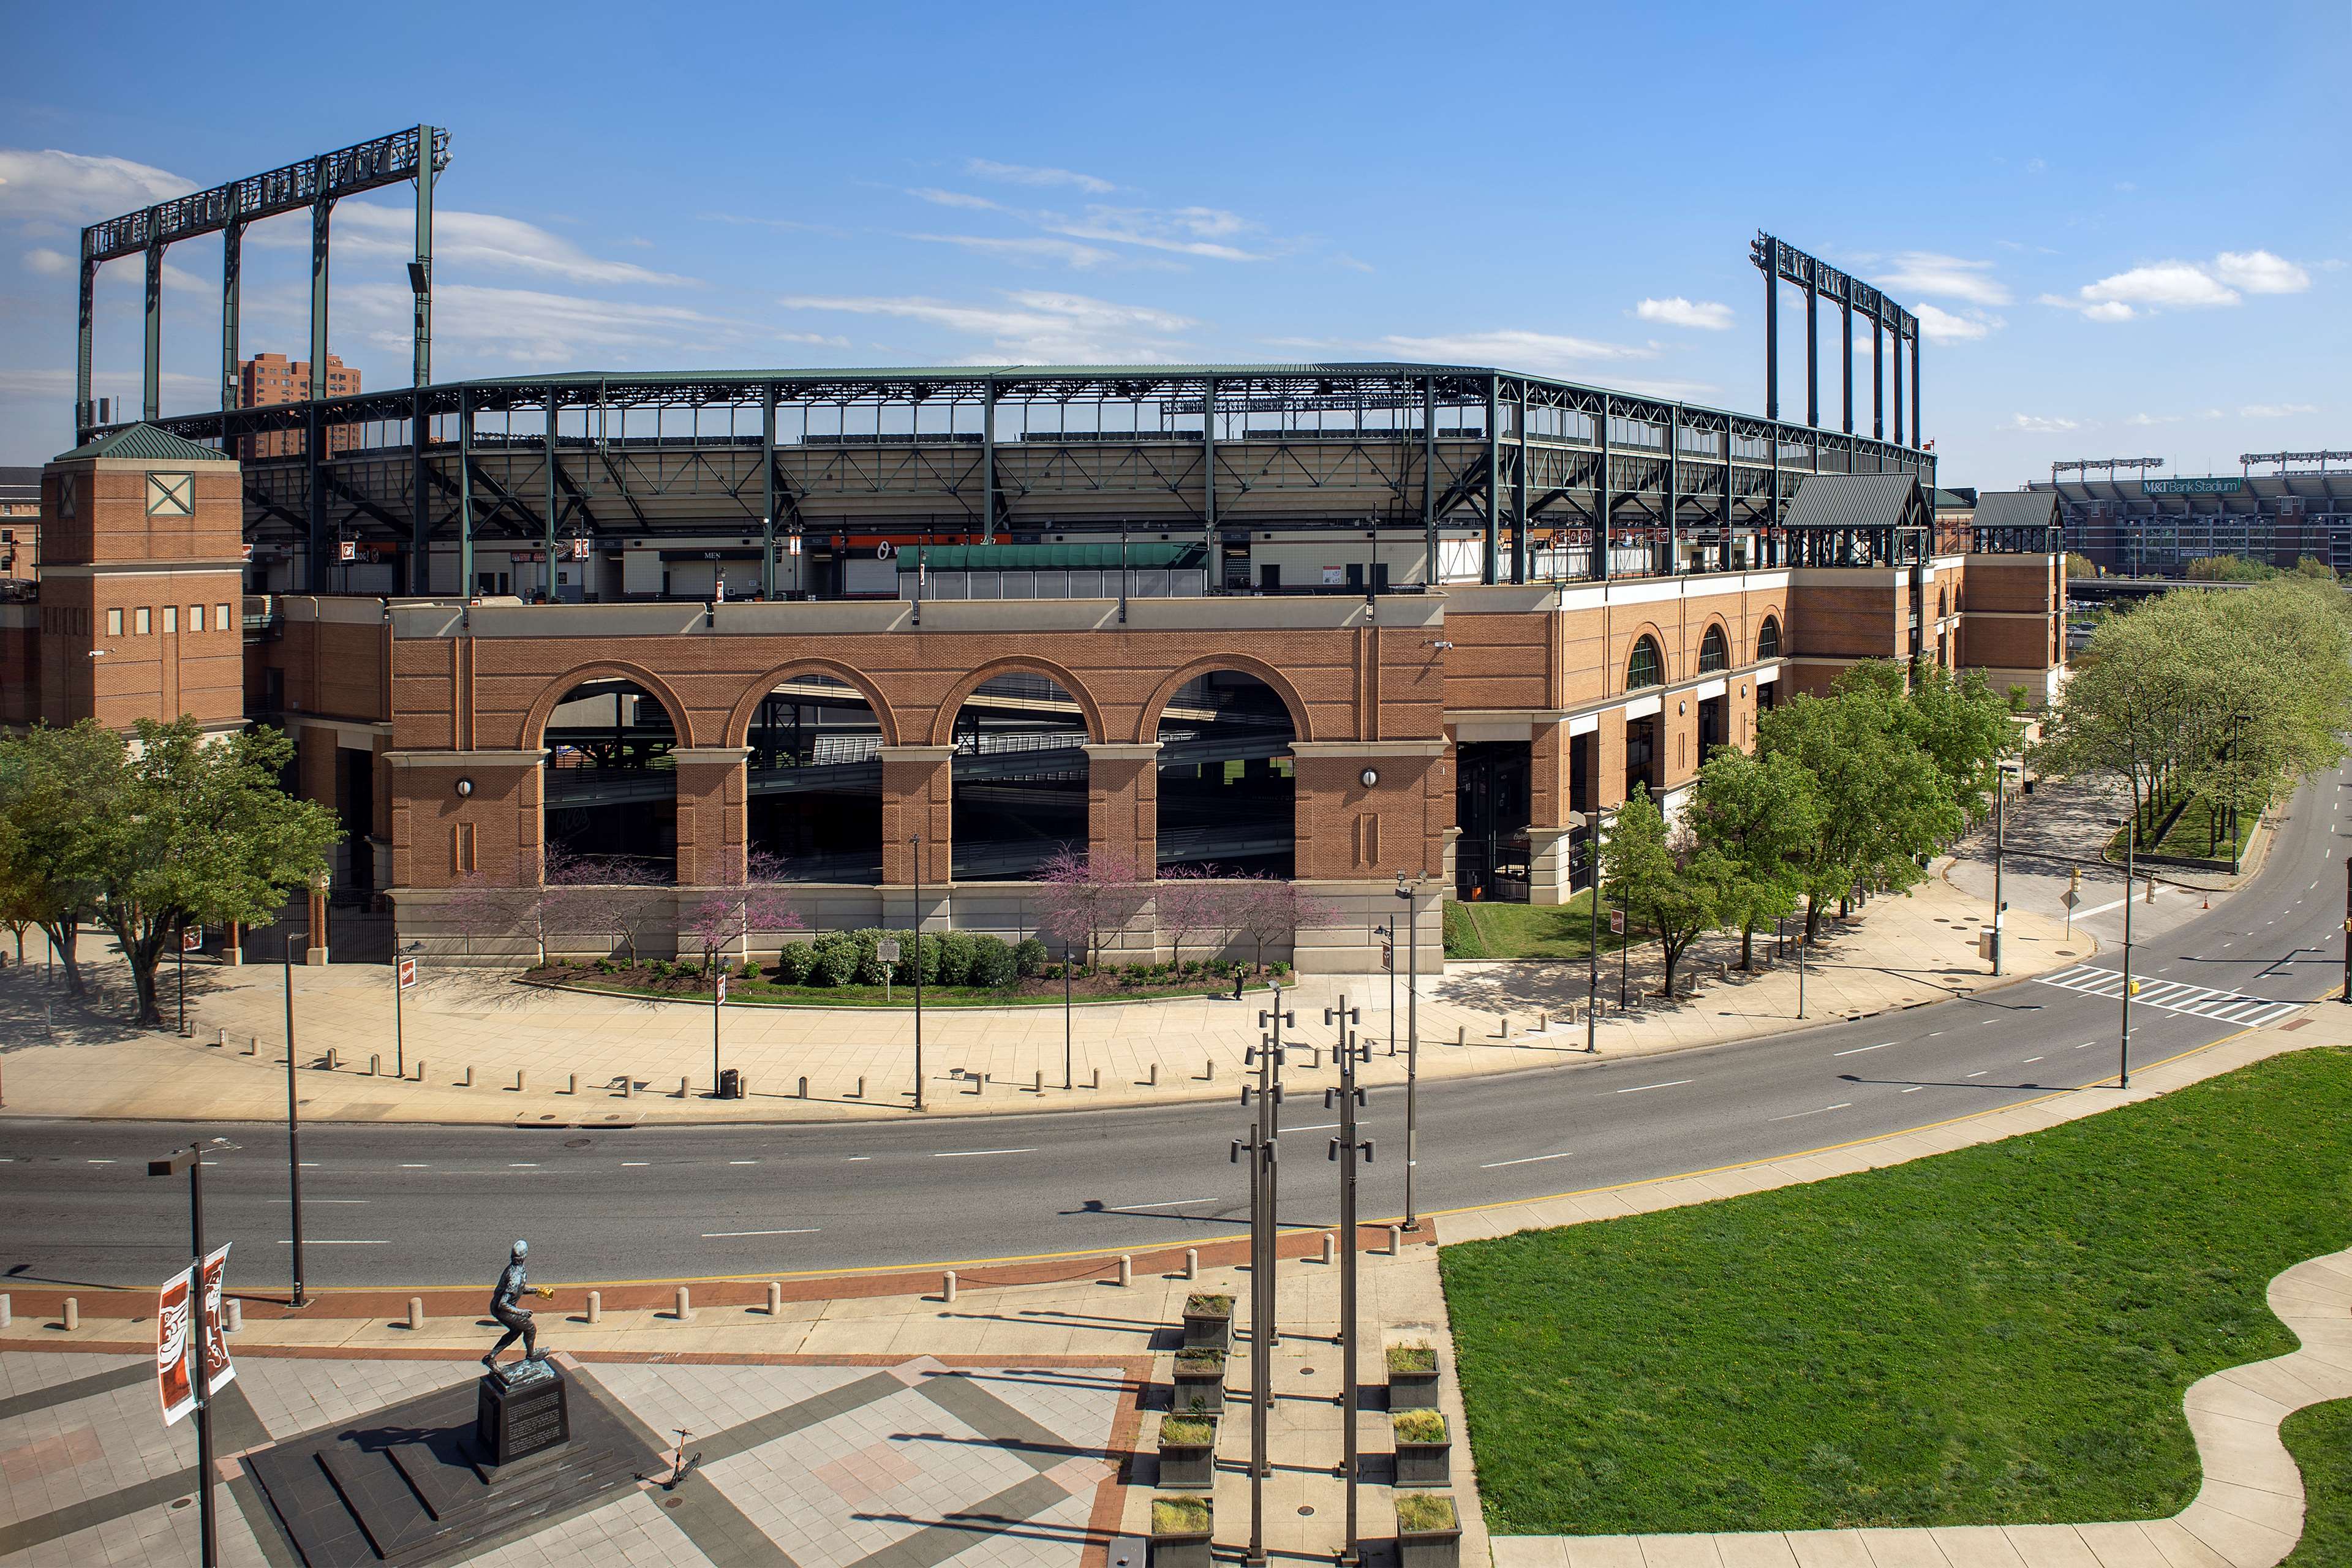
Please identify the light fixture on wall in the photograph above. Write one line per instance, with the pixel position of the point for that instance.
(464, 788)
(1370, 777)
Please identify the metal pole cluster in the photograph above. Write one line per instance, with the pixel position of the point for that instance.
(293, 1130)
(2123, 1045)
(1260, 1146)
(1411, 1049)
(1345, 1149)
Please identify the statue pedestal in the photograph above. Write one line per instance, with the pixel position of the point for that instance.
(521, 1410)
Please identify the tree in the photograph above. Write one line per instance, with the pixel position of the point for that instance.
(1885, 804)
(1271, 909)
(51, 796)
(2313, 566)
(1960, 722)
(731, 915)
(2079, 565)
(1760, 814)
(1190, 900)
(1081, 898)
(182, 829)
(1665, 876)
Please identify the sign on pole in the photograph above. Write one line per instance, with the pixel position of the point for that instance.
(1616, 922)
(174, 1320)
(407, 973)
(722, 985)
(887, 950)
(192, 938)
(218, 1371)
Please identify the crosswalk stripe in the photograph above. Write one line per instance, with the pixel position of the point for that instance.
(2174, 997)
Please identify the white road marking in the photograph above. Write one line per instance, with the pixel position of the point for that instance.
(1933, 1033)
(339, 1199)
(742, 1162)
(1530, 1159)
(1979, 1072)
(1313, 1127)
(416, 1167)
(329, 1241)
(522, 1164)
(855, 1157)
(1794, 1116)
(968, 1154)
(2030, 1061)
(2100, 910)
(1171, 1204)
(309, 1165)
(626, 1164)
(1915, 1089)
(723, 1234)
(1670, 1083)
(1859, 1050)
(98, 1161)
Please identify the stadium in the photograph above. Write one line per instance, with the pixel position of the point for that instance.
(899, 635)
(2134, 522)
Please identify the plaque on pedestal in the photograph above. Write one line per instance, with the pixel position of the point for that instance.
(521, 1411)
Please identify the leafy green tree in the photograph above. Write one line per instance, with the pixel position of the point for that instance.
(2080, 565)
(1760, 815)
(1665, 877)
(2228, 569)
(179, 829)
(1884, 804)
(52, 797)
(1959, 720)
(2313, 566)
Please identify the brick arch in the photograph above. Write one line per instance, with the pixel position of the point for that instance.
(1714, 622)
(534, 724)
(1302, 728)
(943, 719)
(1779, 618)
(738, 729)
(1634, 640)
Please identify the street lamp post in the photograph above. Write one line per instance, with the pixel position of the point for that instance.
(1577, 819)
(1069, 1071)
(1387, 962)
(918, 971)
(1801, 955)
(293, 1128)
(1411, 1050)
(181, 964)
(2131, 823)
(192, 1160)
(1264, 1248)
(1345, 1149)
(2000, 840)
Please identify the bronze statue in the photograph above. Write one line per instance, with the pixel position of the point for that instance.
(506, 1306)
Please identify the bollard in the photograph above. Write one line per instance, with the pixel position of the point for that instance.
(1396, 1240)
(519, 1080)
(684, 1310)
(595, 1306)
(803, 1088)
(1126, 1268)
(416, 1312)
(1096, 1081)
(73, 1314)
(236, 1316)
(628, 1086)
(331, 1058)
(252, 1045)
(861, 1088)
(775, 1299)
(1038, 1082)
(681, 1088)
(572, 1083)
(1330, 1250)
(1461, 1033)
(420, 1070)
(224, 1038)
(1191, 1263)
(375, 1066)
(947, 1286)
(6, 1316)
(1153, 1082)
(1543, 1023)
(467, 1081)
(1208, 1071)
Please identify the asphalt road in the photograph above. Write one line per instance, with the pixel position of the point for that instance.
(432, 1206)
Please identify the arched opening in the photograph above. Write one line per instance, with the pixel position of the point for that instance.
(1228, 789)
(1646, 668)
(610, 786)
(1714, 651)
(1020, 777)
(1767, 639)
(815, 782)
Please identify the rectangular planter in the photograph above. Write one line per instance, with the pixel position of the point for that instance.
(1412, 1390)
(1189, 1467)
(1198, 1392)
(1181, 1548)
(1207, 1331)
(1430, 1548)
(1425, 1464)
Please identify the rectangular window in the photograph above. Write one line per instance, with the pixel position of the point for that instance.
(171, 620)
(142, 620)
(225, 622)
(114, 623)
(195, 617)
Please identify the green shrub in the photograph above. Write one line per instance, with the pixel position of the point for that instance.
(747, 970)
(955, 948)
(1413, 1358)
(607, 967)
(1199, 1362)
(659, 968)
(1178, 1515)
(1028, 957)
(868, 969)
(1205, 1304)
(1426, 1510)
(1186, 1431)
(794, 962)
(1419, 1426)
(833, 959)
(994, 963)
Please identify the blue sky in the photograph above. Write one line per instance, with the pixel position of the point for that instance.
(2125, 228)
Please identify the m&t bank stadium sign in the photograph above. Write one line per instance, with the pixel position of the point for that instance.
(2191, 486)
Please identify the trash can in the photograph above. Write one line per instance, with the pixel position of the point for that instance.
(731, 1084)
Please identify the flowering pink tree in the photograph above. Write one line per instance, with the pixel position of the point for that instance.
(1082, 897)
(616, 899)
(1273, 908)
(728, 918)
(479, 909)
(1190, 901)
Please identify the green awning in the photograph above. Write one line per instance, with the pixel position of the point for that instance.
(1140, 557)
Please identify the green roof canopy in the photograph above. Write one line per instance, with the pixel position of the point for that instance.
(1140, 557)
(144, 443)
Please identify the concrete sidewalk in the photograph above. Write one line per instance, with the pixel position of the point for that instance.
(480, 1048)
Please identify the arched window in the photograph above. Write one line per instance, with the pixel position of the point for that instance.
(1939, 604)
(1714, 651)
(1767, 639)
(1646, 667)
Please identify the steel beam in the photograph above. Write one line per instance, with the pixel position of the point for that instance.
(150, 358)
(466, 493)
(232, 300)
(314, 464)
(768, 491)
(1877, 384)
(1487, 557)
(1845, 314)
(421, 284)
(1897, 347)
(1606, 504)
(419, 578)
(988, 463)
(1917, 443)
(553, 458)
(1519, 498)
(321, 224)
(85, 410)
(1771, 343)
(1429, 478)
(1208, 471)
(1812, 360)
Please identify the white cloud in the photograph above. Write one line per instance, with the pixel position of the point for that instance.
(1083, 257)
(2177, 284)
(460, 238)
(2276, 410)
(956, 199)
(2259, 272)
(1515, 347)
(2040, 425)
(1186, 231)
(1024, 174)
(1941, 326)
(1706, 314)
(1351, 264)
(1033, 327)
(47, 263)
(2146, 420)
(1956, 278)
(542, 331)
(76, 188)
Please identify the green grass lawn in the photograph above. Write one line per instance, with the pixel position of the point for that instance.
(2320, 1438)
(2195, 835)
(1996, 1336)
(1525, 931)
